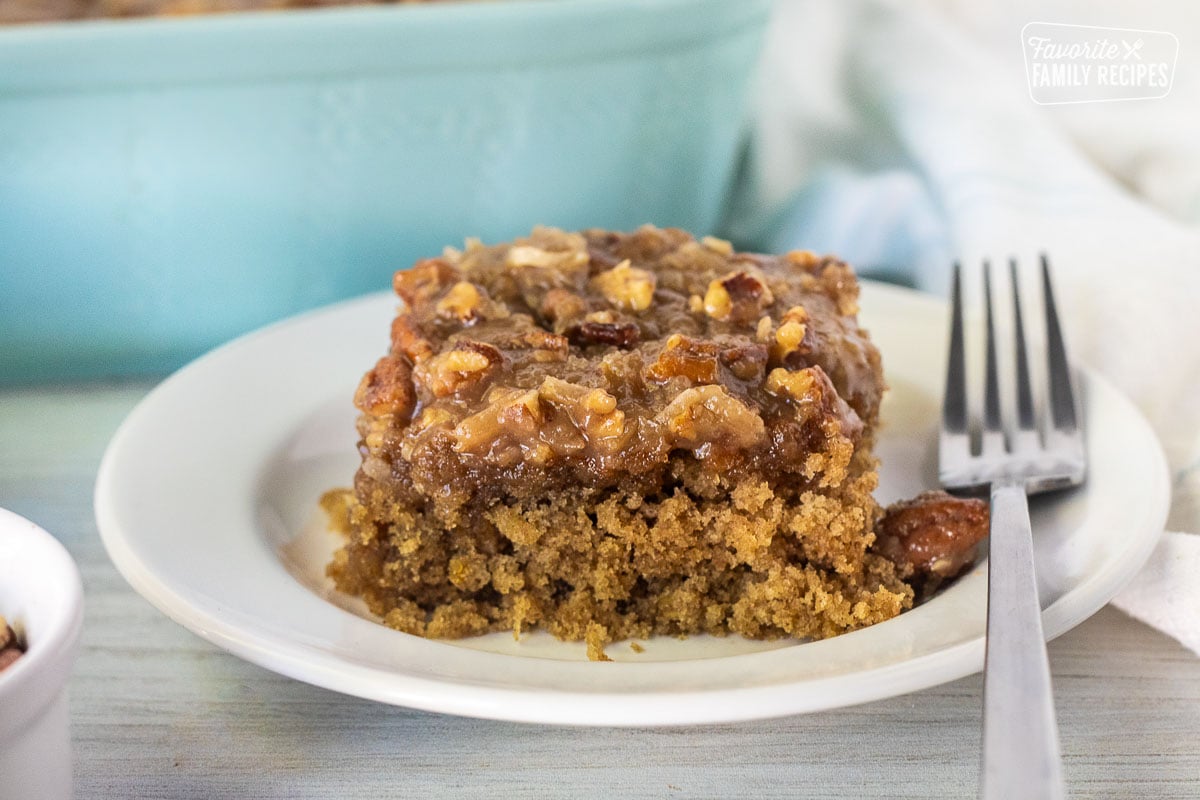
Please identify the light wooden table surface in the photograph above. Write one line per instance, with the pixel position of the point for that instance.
(158, 712)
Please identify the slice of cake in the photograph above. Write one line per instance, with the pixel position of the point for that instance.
(613, 436)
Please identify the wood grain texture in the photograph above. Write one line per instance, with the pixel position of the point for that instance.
(159, 713)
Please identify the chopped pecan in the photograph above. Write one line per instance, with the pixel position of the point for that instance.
(793, 340)
(685, 357)
(602, 258)
(626, 287)
(804, 259)
(538, 339)
(562, 307)
(719, 246)
(387, 388)
(746, 361)
(510, 414)
(738, 298)
(466, 365)
(717, 302)
(8, 657)
(463, 302)
(408, 340)
(704, 417)
(592, 412)
(762, 332)
(538, 271)
(618, 334)
(837, 280)
(561, 260)
(11, 648)
(796, 384)
(933, 535)
(426, 279)
(813, 394)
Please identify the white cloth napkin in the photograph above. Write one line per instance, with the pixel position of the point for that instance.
(903, 138)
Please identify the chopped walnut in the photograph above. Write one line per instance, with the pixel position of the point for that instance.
(839, 283)
(626, 287)
(431, 418)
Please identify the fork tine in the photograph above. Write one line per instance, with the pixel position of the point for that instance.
(954, 404)
(1062, 396)
(993, 425)
(1025, 418)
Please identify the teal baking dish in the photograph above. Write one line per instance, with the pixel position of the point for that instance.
(166, 184)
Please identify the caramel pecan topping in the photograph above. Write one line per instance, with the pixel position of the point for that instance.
(550, 350)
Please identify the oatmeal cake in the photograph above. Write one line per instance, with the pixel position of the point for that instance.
(619, 435)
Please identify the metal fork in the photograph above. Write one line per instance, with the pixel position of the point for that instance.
(1020, 737)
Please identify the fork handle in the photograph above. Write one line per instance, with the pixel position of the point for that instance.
(1020, 737)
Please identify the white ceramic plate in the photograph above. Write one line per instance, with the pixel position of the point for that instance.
(206, 501)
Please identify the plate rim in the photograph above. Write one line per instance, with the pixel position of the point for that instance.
(686, 707)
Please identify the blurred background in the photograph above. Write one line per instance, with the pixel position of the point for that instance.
(170, 179)
(168, 182)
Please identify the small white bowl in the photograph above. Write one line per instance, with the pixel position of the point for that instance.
(41, 596)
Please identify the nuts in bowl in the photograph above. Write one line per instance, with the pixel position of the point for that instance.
(41, 600)
(10, 646)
